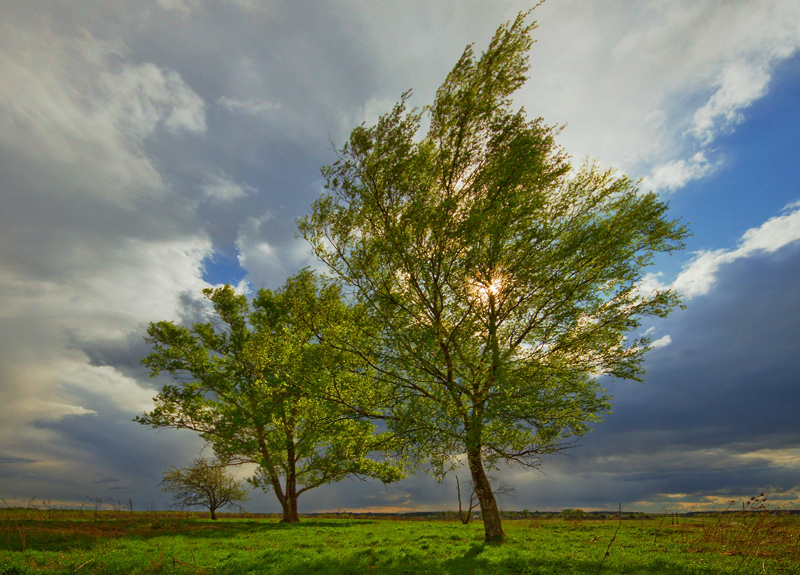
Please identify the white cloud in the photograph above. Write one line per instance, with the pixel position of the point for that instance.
(699, 275)
(43, 410)
(251, 106)
(268, 265)
(678, 173)
(141, 97)
(102, 381)
(774, 233)
(648, 86)
(65, 103)
(221, 187)
(369, 113)
(738, 86)
(44, 377)
(652, 282)
(661, 342)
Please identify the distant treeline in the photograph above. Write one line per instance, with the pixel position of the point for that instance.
(566, 514)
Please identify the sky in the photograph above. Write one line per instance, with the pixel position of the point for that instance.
(151, 149)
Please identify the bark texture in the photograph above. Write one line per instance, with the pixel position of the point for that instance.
(493, 529)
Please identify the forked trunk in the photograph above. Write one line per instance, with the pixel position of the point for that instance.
(493, 530)
(290, 502)
(286, 497)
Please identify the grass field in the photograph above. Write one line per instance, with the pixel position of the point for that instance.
(152, 542)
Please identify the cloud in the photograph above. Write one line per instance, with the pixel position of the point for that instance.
(738, 86)
(141, 97)
(71, 106)
(45, 374)
(186, 7)
(10, 460)
(93, 244)
(648, 88)
(699, 275)
(252, 106)
(678, 173)
(222, 188)
(269, 263)
(661, 342)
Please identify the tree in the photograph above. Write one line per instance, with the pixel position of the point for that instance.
(253, 380)
(203, 484)
(572, 514)
(503, 280)
(462, 515)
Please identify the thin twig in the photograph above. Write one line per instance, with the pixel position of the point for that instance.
(608, 549)
(613, 537)
(82, 565)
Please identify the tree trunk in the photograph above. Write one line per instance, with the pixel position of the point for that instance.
(213, 514)
(289, 501)
(290, 508)
(493, 530)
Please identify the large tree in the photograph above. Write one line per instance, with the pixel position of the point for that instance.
(503, 280)
(252, 382)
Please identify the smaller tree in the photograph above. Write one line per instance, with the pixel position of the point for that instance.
(499, 491)
(203, 484)
(473, 502)
(260, 384)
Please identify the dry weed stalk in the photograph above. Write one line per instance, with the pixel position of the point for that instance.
(755, 531)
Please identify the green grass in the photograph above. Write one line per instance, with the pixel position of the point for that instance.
(149, 543)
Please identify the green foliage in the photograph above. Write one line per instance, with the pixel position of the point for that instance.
(503, 281)
(255, 383)
(203, 484)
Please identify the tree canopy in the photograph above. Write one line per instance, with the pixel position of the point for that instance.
(253, 382)
(503, 280)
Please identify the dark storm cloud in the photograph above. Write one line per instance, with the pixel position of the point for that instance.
(731, 375)
(124, 354)
(10, 460)
(717, 412)
(135, 454)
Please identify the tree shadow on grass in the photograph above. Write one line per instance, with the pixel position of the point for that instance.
(326, 547)
(65, 535)
(474, 561)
